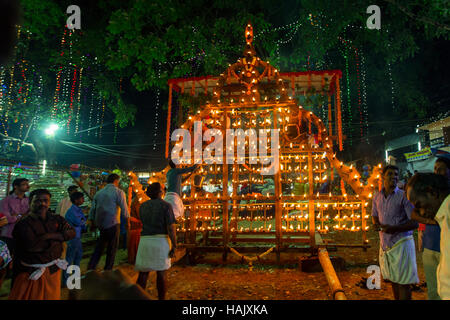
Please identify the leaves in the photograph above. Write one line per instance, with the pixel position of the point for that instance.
(149, 42)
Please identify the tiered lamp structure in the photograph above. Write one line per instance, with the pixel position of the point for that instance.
(288, 209)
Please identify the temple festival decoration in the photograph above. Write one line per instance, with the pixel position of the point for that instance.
(310, 193)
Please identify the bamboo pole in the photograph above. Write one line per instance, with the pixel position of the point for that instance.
(225, 191)
(278, 213)
(330, 274)
(311, 213)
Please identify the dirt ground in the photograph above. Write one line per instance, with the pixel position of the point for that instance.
(211, 279)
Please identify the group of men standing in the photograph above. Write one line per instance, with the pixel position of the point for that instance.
(32, 241)
(33, 237)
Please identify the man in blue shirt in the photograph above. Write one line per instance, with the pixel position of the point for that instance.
(75, 217)
(108, 206)
(174, 180)
(175, 175)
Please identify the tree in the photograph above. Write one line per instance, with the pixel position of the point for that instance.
(148, 42)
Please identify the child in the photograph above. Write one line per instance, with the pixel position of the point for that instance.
(77, 220)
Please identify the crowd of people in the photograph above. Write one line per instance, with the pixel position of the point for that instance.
(37, 245)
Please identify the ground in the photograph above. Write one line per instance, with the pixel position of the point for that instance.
(210, 279)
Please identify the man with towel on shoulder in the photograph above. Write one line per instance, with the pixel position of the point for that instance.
(39, 237)
(174, 181)
(391, 216)
(158, 239)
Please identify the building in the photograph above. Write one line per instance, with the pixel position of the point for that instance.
(438, 134)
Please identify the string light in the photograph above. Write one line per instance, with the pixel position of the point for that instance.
(364, 95)
(158, 92)
(77, 118)
(391, 81)
(91, 108)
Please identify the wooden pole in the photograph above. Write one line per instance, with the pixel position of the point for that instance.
(192, 238)
(311, 211)
(278, 213)
(169, 111)
(330, 274)
(235, 214)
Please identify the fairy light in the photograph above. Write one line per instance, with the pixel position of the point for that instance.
(116, 124)
(391, 81)
(72, 93)
(158, 92)
(97, 120)
(57, 93)
(349, 107)
(102, 117)
(2, 94)
(359, 92)
(91, 108)
(364, 96)
(77, 118)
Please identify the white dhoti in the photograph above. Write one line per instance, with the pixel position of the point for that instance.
(398, 264)
(153, 253)
(177, 204)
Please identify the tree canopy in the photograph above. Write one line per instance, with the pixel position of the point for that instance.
(140, 44)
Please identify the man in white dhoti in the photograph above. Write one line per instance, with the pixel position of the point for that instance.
(174, 179)
(158, 239)
(391, 215)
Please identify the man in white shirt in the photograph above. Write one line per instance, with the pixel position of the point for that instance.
(65, 203)
(430, 195)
